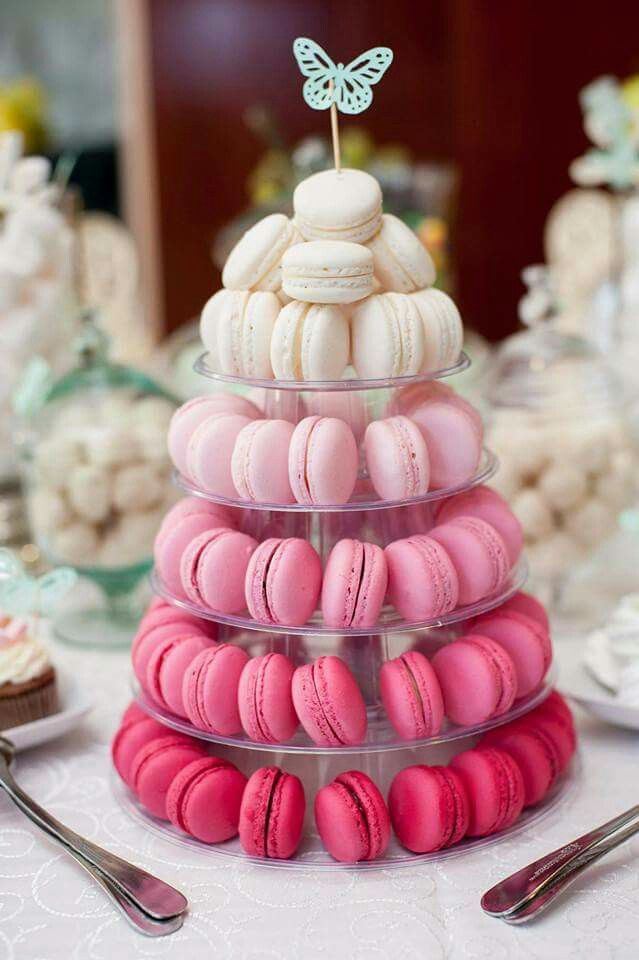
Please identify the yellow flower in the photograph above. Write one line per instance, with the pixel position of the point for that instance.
(630, 91)
(22, 107)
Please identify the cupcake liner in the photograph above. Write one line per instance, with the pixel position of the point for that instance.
(31, 705)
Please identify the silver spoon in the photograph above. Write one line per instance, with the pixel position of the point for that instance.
(140, 895)
(530, 890)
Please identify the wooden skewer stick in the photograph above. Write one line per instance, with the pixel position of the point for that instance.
(337, 157)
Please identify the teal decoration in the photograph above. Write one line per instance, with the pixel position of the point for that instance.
(608, 120)
(30, 394)
(348, 87)
(22, 595)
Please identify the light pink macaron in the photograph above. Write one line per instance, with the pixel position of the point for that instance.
(488, 505)
(354, 584)
(527, 642)
(454, 437)
(479, 556)
(265, 700)
(166, 668)
(213, 568)
(322, 462)
(259, 465)
(329, 703)
(412, 696)
(283, 581)
(191, 414)
(220, 514)
(209, 452)
(172, 540)
(397, 458)
(209, 689)
(477, 678)
(422, 579)
(414, 396)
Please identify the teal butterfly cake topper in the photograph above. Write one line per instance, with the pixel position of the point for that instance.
(338, 87)
(21, 595)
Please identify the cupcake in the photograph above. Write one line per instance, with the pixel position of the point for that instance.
(27, 679)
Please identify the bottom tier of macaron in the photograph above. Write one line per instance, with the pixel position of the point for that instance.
(389, 808)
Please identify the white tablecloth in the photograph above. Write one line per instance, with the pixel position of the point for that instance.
(50, 909)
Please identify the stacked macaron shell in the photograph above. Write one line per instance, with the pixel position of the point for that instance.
(340, 283)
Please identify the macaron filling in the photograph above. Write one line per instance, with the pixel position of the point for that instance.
(423, 712)
(410, 462)
(369, 827)
(334, 731)
(442, 582)
(268, 843)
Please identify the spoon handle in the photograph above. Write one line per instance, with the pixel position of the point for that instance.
(152, 896)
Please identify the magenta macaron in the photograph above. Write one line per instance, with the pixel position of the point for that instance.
(429, 808)
(272, 814)
(191, 414)
(204, 799)
(283, 581)
(213, 568)
(422, 579)
(259, 465)
(354, 584)
(524, 639)
(477, 679)
(156, 764)
(329, 703)
(535, 754)
(494, 786)
(128, 739)
(525, 603)
(397, 458)
(486, 504)
(479, 556)
(322, 461)
(412, 696)
(352, 818)
(209, 689)
(265, 699)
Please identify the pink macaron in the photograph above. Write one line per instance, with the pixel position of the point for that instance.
(191, 414)
(410, 398)
(322, 462)
(220, 515)
(208, 455)
(133, 714)
(283, 581)
(397, 458)
(204, 799)
(524, 639)
(352, 818)
(477, 679)
(329, 703)
(412, 696)
(453, 436)
(213, 568)
(354, 584)
(486, 504)
(478, 554)
(170, 544)
(259, 465)
(167, 666)
(534, 753)
(527, 604)
(429, 808)
(265, 699)
(494, 786)
(422, 580)
(272, 814)
(129, 738)
(210, 686)
(164, 636)
(156, 764)
(165, 614)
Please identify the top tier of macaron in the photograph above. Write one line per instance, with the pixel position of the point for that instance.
(341, 291)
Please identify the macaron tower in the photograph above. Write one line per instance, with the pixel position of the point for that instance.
(339, 624)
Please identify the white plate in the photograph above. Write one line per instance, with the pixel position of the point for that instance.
(74, 703)
(577, 683)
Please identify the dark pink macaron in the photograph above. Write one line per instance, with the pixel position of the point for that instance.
(213, 568)
(525, 640)
(265, 699)
(352, 818)
(272, 814)
(477, 678)
(209, 689)
(412, 696)
(429, 808)
(283, 581)
(525, 603)
(329, 703)
(535, 754)
(156, 764)
(354, 584)
(204, 799)
(166, 668)
(133, 714)
(494, 786)
(128, 739)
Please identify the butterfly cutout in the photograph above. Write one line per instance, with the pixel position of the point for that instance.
(610, 123)
(21, 594)
(351, 84)
(32, 388)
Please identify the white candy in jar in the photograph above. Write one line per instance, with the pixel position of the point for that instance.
(591, 522)
(137, 487)
(562, 486)
(77, 543)
(89, 492)
(533, 513)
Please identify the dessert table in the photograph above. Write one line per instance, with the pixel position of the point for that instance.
(50, 909)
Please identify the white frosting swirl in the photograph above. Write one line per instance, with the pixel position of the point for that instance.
(22, 655)
(612, 654)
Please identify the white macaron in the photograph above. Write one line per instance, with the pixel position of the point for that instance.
(255, 261)
(328, 271)
(400, 262)
(443, 329)
(236, 329)
(338, 206)
(388, 337)
(310, 342)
